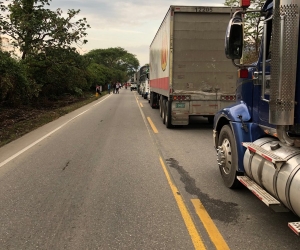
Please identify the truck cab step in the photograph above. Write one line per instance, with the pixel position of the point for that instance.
(262, 194)
(295, 226)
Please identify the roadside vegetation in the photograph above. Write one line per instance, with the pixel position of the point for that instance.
(42, 74)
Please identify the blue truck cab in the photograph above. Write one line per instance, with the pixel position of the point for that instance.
(258, 138)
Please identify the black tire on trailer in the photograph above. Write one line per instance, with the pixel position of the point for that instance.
(168, 115)
(163, 114)
(160, 106)
(228, 158)
(152, 101)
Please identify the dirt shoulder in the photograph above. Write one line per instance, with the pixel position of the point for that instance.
(16, 122)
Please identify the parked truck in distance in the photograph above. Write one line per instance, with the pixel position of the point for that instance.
(189, 73)
(144, 81)
(258, 138)
(133, 83)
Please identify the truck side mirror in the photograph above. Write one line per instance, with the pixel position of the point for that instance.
(234, 39)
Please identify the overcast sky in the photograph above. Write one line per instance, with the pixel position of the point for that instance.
(130, 24)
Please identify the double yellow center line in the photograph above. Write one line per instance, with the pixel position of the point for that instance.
(213, 232)
(211, 229)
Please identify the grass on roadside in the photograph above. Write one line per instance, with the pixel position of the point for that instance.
(31, 119)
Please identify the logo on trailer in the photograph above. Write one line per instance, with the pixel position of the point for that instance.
(164, 51)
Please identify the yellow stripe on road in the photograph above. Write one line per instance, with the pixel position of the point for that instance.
(197, 241)
(152, 125)
(213, 232)
(141, 105)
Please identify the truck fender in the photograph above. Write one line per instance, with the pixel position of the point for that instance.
(233, 112)
(228, 115)
(242, 132)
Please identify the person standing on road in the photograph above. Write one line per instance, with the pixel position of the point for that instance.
(114, 88)
(98, 91)
(117, 88)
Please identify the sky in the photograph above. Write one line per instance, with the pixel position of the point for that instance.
(129, 24)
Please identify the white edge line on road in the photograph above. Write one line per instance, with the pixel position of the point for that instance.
(47, 135)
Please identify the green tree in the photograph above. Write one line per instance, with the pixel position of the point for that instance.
(34, 28)
(123, 63)
(16, 87)
(252, 28)
(59, 71)
(98, 74)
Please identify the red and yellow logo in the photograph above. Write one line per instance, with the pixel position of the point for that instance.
(164, 51)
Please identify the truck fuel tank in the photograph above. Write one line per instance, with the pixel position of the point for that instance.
(276, 168)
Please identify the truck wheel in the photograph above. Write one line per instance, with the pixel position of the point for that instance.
(152, 100)
(163, 114)
(167, 115)
(227, 158)
(160, 107)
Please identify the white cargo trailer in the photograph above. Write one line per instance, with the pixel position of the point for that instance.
(189, 73)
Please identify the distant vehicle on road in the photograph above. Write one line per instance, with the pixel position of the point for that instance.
(133, 84)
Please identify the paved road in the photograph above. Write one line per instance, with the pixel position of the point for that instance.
(243, 221)
(100, 178)
(92, 184)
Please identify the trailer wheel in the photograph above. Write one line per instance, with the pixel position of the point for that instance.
(227, 158)
(160, 106)
(167, 115)
(163, 114)
(152, 101)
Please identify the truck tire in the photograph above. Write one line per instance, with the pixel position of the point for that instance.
(227, 158)
(153, 100)
(167, 115)
(160, 106)
(163, 114)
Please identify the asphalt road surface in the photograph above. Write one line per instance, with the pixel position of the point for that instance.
(111, 176)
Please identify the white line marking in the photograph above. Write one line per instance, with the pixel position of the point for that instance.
(47, 135)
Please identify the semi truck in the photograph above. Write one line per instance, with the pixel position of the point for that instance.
(258, 138)
(144, 81)
(133, 84)
(189, 74)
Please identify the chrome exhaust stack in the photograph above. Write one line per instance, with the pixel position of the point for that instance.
(285, 37)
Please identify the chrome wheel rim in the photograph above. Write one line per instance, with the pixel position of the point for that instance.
(224, 156)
